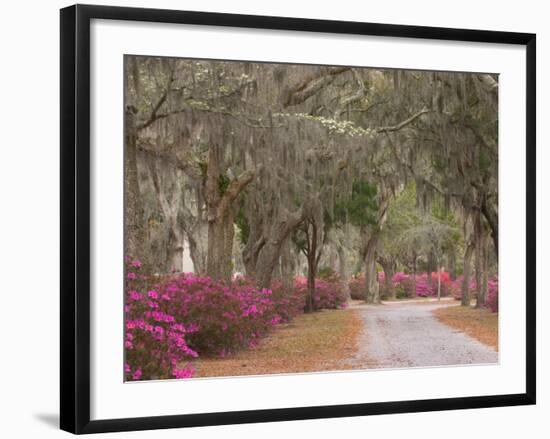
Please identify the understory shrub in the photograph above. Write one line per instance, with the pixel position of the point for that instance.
(228, 316)
(288, 302)
(183, 316)
(456, 287)
(424, 289)
(405, 285)
(357, 287)
(329, 292)
(491, 301)
(492, 295)
(155, 341)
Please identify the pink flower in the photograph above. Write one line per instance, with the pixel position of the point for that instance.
(188, 314)
(136, 264)
(132, 275)
(134, 295)
(183, 373)
(137, 374)
(190, 351)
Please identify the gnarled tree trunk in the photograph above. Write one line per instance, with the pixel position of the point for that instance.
(197, 253)
(343, 270)
(132, 202)
(219, 202)
(389, 270)
(372, 292)
(254, 244)
(481, 270)
(491, 215)
(271, 250)
(287, 266)
(467, 272)
(175, 252)
(312, 260)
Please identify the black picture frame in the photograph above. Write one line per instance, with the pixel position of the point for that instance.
(75, 217)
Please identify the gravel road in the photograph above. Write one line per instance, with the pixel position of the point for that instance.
(408, 335)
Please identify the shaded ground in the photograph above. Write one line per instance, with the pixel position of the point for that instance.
(312, 342)
(407, 334)
(480, 324)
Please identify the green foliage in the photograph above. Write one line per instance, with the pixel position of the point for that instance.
(223, 183)
(203, 166)
(409, 233)
(326, 273)
(401, 292)
(243, 225)
(439, 164)
(361, 208)
(484, 162)
(299, 238)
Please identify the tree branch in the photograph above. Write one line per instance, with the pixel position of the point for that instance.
(489, 83)
(234, 189)
(402, 124)
(312, 85)
(190, 167)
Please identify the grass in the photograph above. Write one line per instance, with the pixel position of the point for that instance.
(319, 341)
(480, 323)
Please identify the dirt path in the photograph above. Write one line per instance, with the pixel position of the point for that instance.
(406, 334)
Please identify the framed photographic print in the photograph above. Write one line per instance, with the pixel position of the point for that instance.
(267, 218)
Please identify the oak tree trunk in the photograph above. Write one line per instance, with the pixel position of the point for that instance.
(312, 260)
(197, 254)
(271, 250)
(415, 257)
(389, 271)
(467, 271)
(132, 202)
(287, 266)
(343, 270)
(372, 293)
(219, 201)
(452, 263)
(481, 270)
(491, 215)
(175, 253)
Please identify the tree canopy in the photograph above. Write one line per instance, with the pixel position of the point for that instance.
(276, 170)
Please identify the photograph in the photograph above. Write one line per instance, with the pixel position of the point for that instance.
(267, 220)
(293, 218)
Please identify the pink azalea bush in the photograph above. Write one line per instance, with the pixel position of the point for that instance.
(492, 295)
(155, 341)
(405, 285)
(357, 287)
(491, 301)
(227, 316)
(288, 303)
(329, 293)
(419, 285)
(183, 316)
(456, 287)
(171, 320)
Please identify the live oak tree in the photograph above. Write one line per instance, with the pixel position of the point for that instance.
(257, 163)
